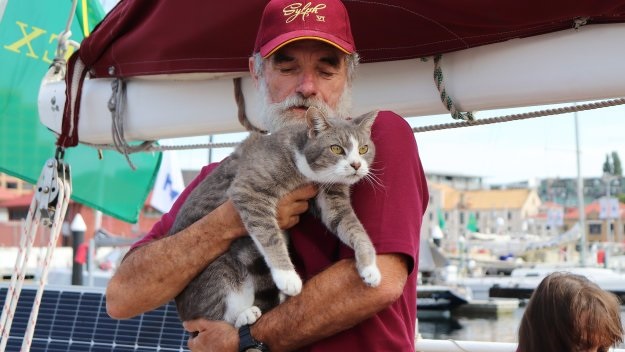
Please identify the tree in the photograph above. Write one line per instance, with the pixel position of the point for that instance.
(617, 168)
(607, 165)
(612, 165)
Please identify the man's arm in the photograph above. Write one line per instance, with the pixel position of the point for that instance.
(299, 321)
(153, 274)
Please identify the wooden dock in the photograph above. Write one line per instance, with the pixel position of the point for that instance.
(491, 306)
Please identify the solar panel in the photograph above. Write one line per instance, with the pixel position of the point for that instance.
(73, 318)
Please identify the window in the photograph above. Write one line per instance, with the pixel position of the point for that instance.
(594, 229)
(18, 214)
(461, 218)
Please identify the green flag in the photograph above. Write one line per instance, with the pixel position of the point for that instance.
(472, 223)
(28, 40)
(441, 219)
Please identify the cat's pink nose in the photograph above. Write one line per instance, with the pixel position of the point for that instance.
(355, 165)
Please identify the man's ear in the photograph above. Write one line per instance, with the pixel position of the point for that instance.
(253, 72)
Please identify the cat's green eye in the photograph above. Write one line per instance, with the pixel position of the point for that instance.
(336, 149)
(363, 149)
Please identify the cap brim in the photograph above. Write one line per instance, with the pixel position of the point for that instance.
(273, 45)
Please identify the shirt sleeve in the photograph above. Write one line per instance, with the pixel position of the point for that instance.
(161, 228)
(391, 203)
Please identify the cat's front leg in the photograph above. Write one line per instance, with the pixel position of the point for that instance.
(248, 317)
(276, 255)
(338, 215)
(366, 263)
(258, 213)
(287, 281)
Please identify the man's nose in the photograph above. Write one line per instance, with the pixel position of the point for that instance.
(307, 85)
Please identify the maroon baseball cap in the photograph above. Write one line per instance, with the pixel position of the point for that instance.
(285, 21)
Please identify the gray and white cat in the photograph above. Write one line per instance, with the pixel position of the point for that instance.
(246, 280)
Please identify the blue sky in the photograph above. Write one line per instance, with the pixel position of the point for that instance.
(522, 150)
(504, 152)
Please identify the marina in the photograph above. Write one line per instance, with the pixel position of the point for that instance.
(502, 328)
(484, 248)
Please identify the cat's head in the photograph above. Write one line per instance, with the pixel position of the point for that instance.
(338, 150)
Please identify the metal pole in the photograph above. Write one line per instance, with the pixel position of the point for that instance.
(210, 150)
(78, 228)
(580, 197)
(91, 261)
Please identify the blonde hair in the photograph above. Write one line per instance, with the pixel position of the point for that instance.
(568, 312)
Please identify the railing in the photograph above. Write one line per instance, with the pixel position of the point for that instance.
(427, 345)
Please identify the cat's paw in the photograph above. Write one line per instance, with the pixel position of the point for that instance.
(248, 317)
(287, 281)
(371, 275)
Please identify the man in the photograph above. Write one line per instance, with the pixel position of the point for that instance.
(304, 56)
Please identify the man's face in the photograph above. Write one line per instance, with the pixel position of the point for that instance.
(303, 74)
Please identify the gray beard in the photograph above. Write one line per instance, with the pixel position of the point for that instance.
(276, 115)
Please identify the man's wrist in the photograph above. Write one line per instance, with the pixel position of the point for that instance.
(230, 222)
(247, 343)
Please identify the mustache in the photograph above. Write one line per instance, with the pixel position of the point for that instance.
(296, 101)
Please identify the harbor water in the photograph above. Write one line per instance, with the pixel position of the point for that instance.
(496, 328)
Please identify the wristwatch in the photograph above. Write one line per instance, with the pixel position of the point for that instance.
(247, 343)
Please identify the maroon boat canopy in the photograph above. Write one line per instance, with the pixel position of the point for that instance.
(144, 37)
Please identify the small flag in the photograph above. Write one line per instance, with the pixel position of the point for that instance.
(608, 208)
(472, 223)
(169, 183)
(555, 217)
(441, 219)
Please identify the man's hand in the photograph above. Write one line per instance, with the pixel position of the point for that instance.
(211, 336)
(294, 204)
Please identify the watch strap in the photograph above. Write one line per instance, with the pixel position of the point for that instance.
(247, 343)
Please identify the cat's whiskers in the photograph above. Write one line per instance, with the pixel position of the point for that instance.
(374, 180)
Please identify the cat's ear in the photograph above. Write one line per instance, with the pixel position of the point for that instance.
(366, 120)
(316, 121)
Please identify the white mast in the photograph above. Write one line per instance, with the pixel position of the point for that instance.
(580, 198)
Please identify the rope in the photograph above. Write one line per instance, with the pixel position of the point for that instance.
(458, 345)
(523, 116)
(151, 147)
(29, 229)
(59, 62)
(241, 113)
(65, 190)
(117, 105)
(161, 148)
(47, 208)
(445, 98)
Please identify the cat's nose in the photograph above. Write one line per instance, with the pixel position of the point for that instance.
(355, 165)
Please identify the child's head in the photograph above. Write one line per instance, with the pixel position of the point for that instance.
(568, 312)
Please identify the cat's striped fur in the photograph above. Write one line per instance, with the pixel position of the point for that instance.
(247, 279)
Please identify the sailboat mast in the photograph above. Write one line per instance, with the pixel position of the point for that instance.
(580, 197)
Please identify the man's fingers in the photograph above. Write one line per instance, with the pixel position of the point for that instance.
(293, 220)
(304, 192)
(300, 207)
